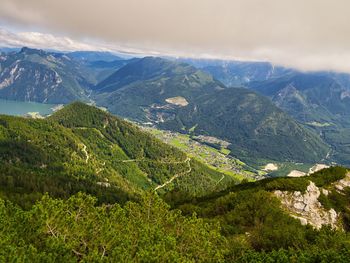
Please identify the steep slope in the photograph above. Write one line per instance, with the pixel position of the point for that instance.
(36, 75)
(96, 66)
(81, 148)
(135, 90)
(253, 125)
(308, 97)
(259, 211)
(179, 97)
(154, 69)
(317, 100)
(239, 73)
(97, 71)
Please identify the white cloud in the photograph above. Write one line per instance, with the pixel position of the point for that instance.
(307, 34)
(60, 43)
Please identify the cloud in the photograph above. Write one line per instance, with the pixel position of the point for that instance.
(59, 43)
(40, 40)
(310, 35)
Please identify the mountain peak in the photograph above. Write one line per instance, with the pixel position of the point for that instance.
(144, 69)
(30, 51)
(79, 114)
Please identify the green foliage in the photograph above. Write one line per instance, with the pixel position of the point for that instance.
(22, 187)
(287, 184)
(327, 176)
(258, 230)
(246, 226)
(297, 256)
(78, 230)
(322, 178)
(82, 148)
(340, 203)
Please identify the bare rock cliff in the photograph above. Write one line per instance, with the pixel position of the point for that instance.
(307, 208)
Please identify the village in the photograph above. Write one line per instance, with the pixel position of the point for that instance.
(209, 150)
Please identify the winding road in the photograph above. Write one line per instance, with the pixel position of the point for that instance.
(222, 178)
(86, 153)
(176, 175)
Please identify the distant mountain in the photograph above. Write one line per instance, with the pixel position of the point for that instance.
(91, 56)
(179, 97)
(97, 71)
(36, 75)
(144, 69)
(308, 97)
(140, 86)
(238, 73)
(318, 100)
(98, 66)
(342, 78)
(135, 90)
(9, 49)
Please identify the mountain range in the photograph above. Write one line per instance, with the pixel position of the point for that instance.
(35, 75)
(238, 73)
(177, 96)
(317, 100)
(268, 112)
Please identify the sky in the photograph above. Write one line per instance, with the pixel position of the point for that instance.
(304, 34)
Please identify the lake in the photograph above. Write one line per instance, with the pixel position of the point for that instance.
(20, 108)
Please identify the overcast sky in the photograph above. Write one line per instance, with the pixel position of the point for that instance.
(306, 34)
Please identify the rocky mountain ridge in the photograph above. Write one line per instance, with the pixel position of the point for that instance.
(306, 206)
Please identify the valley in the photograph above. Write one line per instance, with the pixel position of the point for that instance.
(217, 159)
(175, 96)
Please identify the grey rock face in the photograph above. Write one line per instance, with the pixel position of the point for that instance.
(307, 208)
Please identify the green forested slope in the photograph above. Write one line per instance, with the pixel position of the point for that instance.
(242, 224)
(319, 100)
(82, 148)
(253, 125)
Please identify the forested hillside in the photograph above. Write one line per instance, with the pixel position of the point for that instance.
(179, 97)
(82, 148)
(243, 224)
(319, 100)
(254, 126)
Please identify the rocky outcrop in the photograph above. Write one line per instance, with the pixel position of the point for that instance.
(270, 167)
(296, 173)
(307, 208)
(343, 183)
(36, 75)
(317, 167)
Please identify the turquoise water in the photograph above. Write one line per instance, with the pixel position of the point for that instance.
(20, 108)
